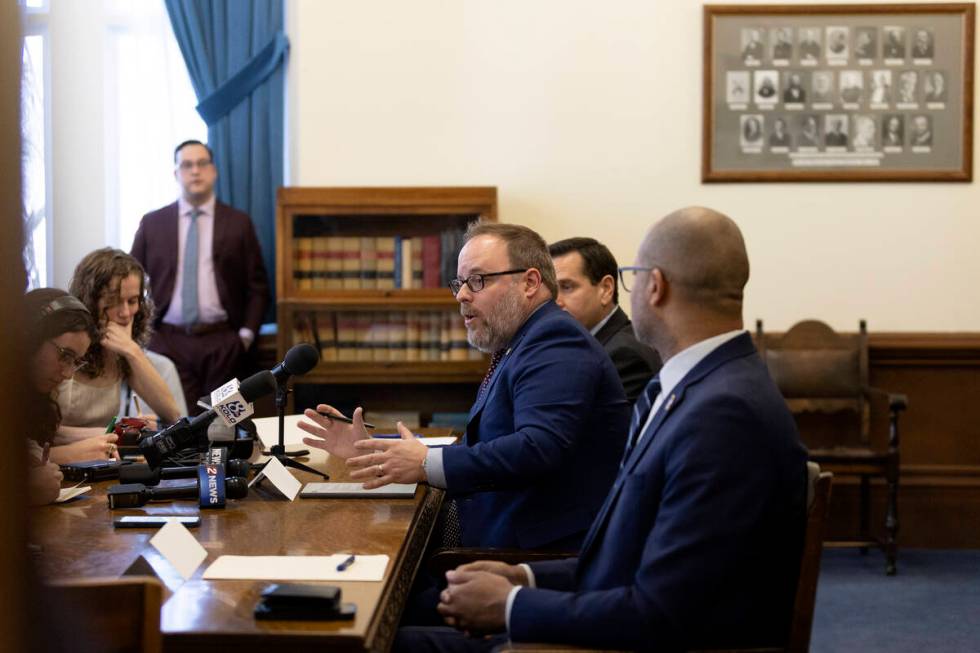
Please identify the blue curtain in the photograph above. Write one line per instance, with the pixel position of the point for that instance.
(235, 52)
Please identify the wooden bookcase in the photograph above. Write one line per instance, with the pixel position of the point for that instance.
(315, 228)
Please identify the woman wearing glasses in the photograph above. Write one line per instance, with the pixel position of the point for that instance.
(112, 285)
(59, 331)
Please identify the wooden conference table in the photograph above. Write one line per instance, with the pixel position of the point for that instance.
(77, 540)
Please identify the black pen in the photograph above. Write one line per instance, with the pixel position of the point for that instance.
(346, 563)
(341, 418)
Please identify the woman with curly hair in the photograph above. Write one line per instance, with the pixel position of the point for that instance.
(112, 284)
(59, 332)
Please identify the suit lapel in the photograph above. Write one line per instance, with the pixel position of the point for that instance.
(735, 348)
(482, 396)
(616, 322)
(170, 235)
(515, 343)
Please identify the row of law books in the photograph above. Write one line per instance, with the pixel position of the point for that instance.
(411, 336)
(376, 262)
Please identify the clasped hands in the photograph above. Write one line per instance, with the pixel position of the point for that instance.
(475, 600)
(377, 462)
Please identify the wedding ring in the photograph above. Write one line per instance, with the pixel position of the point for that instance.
(381, 470)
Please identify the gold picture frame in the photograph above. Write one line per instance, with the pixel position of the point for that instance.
(838, 93)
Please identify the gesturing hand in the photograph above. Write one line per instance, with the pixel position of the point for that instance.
(333, 436)
(389, 461)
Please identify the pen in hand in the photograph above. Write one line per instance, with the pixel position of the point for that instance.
(341, 418)
(346, 563)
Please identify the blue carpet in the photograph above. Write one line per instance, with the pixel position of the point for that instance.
(932, 604)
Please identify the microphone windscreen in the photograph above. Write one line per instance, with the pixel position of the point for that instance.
(301, 358)
(236, 487)
(237, 467)
(137, 473)
(258, 385)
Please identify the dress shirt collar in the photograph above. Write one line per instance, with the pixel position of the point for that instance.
(597, 328)
(677, 367)
(184, 207)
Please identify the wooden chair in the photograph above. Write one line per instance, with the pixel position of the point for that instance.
(824, 377)
(111, 615)
(800, 628)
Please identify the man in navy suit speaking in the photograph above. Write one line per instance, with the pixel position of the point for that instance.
(698, 543)
(546, 433)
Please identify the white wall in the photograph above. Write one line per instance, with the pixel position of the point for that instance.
(587, 117)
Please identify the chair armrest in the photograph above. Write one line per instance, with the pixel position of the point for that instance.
(896, 402)
(445, 559)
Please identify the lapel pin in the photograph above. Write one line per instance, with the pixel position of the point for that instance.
(670, 402)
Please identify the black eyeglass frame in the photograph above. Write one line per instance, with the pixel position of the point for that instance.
(455, 285)
(630, 268)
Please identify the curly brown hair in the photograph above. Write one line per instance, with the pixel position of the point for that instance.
(97, 277)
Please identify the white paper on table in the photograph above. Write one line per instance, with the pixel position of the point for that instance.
(67, 493)
(178, 546)
(297, 568)
(268, 429)
(438, 442)
(281, 477)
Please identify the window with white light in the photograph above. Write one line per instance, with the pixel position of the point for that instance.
(149, 109)
(34, 143)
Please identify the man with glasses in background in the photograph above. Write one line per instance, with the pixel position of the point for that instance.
(206, 277)
(547, 430)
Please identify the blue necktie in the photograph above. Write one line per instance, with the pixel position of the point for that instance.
(641, 412)
(188, 289)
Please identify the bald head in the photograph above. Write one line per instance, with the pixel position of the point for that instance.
(702, 256)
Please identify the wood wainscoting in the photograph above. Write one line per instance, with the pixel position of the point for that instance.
(939, 495)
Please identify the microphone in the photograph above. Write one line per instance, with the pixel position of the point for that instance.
(299, 360)
(232, 402)
(146, 475)
(210, 494)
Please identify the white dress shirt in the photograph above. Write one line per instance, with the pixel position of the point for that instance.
(209, 305)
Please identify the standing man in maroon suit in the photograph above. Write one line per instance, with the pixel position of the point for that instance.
(206, 277)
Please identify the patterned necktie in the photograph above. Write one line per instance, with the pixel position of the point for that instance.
(495, 359)
(451, 535)
(188, 289)
(641, 412)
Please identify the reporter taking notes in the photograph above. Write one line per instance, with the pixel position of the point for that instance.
(59, 332)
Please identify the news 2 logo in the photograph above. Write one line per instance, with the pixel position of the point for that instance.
(212, 485)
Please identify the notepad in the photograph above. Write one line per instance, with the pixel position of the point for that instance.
(355, 491)
(296, 568)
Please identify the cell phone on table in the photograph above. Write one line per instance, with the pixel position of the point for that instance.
(155, 521)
